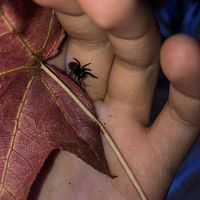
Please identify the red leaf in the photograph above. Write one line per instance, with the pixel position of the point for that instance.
(36, 114)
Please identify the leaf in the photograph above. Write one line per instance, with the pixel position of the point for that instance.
(36, 114)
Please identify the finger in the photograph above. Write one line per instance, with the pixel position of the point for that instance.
(86, 42)
(178, 124)
(116, 16)
(63, 6)
(135, 42)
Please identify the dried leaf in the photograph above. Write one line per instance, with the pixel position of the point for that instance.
(36, 114)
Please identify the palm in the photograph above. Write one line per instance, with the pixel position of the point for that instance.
(125, 57)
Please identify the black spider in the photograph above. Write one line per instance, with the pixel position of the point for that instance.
(79, 72)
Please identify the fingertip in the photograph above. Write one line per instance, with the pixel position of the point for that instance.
(122, 18)
(180, 61)
(105, 13)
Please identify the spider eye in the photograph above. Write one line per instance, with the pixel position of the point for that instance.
(72, 65)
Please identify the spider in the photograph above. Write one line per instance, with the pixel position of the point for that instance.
(79, 72)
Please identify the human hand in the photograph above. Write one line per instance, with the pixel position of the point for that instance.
(121, 40)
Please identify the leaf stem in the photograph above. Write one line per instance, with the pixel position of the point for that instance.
(107, 136)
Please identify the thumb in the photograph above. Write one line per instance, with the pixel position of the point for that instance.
(180, 61)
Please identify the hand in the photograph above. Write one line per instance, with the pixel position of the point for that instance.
(122, 42)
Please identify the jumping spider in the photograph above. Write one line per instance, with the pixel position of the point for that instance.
(79, 72)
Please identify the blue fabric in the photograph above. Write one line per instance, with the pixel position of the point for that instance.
(186, 184)
(180, 16)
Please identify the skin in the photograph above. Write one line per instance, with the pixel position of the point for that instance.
(123, 45)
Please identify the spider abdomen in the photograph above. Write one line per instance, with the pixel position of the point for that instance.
(79, 72)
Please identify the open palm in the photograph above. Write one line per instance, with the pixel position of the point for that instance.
(121, 41)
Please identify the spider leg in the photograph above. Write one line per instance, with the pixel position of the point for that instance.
(77, 61)
(87, 69)
(83, 67)
(71, 74)
(73, 77)
(76, 78)
(90, 74)
(79, 83)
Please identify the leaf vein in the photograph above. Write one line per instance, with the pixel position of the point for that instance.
(54, 97)
(19, 154)
(20, 38)
(15, 175)
(5, 188)
(32, 140)
(14, 133)
(49, 31)
(18, 69)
